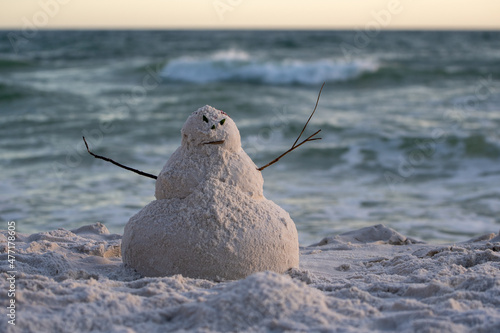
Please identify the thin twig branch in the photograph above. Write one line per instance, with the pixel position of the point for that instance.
(295, 145)
(312, 113)
(118, 164)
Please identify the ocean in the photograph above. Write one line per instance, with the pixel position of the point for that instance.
(410, 124)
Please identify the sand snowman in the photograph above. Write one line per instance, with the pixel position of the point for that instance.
(210, 218)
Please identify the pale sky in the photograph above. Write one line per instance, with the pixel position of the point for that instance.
(252, 14)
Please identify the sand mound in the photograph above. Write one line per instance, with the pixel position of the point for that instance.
(231, 237)
(263, 300)
(379, 234)
(211, 219)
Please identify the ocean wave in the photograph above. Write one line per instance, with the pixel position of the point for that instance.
(420, 157)
(239, 66)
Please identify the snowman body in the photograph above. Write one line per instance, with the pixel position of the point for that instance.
(210, 218)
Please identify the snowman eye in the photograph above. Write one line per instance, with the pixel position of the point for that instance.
(205, 119)
(222, 121)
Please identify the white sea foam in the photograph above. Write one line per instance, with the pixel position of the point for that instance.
(236, 65)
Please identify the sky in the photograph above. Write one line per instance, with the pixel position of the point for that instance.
(250, 14)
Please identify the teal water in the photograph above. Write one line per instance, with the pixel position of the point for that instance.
(410, 124)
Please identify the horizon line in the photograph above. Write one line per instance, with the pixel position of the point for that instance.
(236, 28)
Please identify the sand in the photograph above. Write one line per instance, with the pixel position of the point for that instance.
(369, 280)
(210, 219)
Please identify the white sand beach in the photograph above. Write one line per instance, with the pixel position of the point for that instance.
(369, 280)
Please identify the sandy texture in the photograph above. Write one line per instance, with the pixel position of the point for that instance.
(74, 281)
(226, 236)
(195, 161)
(211, 219)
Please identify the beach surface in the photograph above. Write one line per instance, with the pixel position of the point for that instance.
(368, 280)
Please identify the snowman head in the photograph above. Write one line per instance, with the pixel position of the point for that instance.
(210, 129)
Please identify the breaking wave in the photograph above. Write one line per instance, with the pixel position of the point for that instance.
(239, 66)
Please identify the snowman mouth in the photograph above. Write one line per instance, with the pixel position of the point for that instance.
(218, 142)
